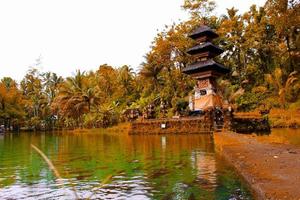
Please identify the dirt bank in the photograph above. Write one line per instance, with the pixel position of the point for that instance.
(272, 170)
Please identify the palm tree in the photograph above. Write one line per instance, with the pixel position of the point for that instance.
(76, 96)
(91, 93)
(281, 87)
(106, 77)
(70, 99)
(50, 83)
(126, 76)
(32, 88)
(151, 70)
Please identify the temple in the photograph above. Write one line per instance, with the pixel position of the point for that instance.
(205, 70)
(215, 116)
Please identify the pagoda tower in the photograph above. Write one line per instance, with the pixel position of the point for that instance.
(205, 70)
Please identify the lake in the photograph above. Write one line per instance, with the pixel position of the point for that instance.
(100, 165)
(282, 136)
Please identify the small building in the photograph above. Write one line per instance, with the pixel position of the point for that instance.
(205, 70)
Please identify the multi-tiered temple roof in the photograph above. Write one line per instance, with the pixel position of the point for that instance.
(203, 31)
(208, 65)
(204, 53)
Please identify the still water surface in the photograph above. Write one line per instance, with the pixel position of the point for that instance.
(134, 167)
(282, 136)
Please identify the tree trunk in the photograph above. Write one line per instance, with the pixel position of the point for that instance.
(287, 38)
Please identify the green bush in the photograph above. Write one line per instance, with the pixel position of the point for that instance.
(249, 101)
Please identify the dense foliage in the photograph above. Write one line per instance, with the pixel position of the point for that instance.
(261, 49)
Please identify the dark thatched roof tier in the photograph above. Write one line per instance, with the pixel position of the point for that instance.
(205, 47)
(208, 65)
(203, 31)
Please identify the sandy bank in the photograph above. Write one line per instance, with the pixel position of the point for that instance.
(272, 170)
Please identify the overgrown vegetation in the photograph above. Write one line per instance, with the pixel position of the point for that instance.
(261, 49)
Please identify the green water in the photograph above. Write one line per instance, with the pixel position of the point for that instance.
(138, 167)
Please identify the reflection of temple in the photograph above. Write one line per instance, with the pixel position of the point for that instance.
(205, 165)
(205, 70)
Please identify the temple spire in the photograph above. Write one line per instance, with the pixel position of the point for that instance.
(205, 70)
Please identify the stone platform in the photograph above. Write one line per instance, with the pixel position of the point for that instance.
(187, 125)
(199, 125)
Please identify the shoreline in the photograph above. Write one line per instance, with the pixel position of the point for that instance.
(271, 170)
(123, 127)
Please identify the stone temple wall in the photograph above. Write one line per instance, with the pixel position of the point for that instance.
(191, 125)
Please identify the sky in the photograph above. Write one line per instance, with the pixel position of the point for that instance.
(66, 35)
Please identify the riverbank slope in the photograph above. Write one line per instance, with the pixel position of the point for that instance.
(271, 169)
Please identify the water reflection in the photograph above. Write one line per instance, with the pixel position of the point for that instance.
(205, 165)
(282, 136)
(163, 142)
(139, 167)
